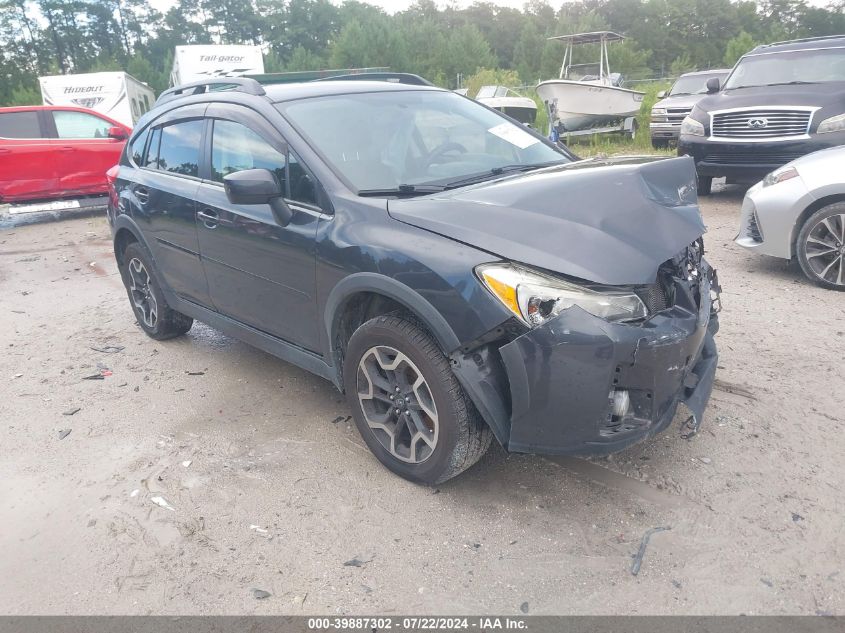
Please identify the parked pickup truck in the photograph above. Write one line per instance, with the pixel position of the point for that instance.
(674, 106)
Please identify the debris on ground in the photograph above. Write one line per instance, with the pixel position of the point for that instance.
(195, 373)
(796, 517)
(109, 349)
(186, 463)
(638, 557)
(134, 493)
(101, 376)
(705, 460)
(767, 582)
(18, 375)
(524, 607)
(355, 562)
(73, 411)
(260, 594)
(162, 503)
(258, 529)
(64, 433)
(337, 419)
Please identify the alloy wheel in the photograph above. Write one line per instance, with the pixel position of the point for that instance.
(397, 403)
(142, 294)
(825, 249)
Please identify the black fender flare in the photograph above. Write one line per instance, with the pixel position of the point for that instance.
(124, 222)
(399, 292)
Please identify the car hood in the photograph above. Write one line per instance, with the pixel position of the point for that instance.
(681, 101)
(813, 95)
(605, 221)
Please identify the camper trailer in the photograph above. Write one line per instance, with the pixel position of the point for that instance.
(194, 63)
(116, 94)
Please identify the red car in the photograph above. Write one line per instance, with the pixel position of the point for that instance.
(56, 152)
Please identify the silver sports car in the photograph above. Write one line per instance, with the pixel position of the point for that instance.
(799, 211)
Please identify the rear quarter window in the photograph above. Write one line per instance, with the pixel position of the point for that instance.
(20, 125)
(136, 149)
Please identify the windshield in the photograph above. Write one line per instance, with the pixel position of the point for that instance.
(381, 140)
(816, 66)
(693, 85)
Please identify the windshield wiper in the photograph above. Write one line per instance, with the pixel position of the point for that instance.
(780, 83)
(797, 82)
(402, 190)
(496, 171)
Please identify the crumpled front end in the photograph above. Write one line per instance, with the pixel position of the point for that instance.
(582, 385)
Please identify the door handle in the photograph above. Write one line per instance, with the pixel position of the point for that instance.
(209, 218)
(142, 194)
(5, 151)
(66, 148)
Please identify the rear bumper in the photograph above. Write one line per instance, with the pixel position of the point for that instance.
(749, 162)
(562, 376)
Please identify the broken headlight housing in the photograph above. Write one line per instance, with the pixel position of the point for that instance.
(535, 297)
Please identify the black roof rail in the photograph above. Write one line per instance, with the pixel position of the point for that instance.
(396, 78)
(819, 38)
(239, 84)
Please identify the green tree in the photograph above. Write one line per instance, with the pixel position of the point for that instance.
(737, 47)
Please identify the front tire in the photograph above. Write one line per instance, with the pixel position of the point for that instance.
(821, 247)
(155, 317)
(408, 406)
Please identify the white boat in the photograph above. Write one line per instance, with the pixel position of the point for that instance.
(587, 95)
(509, 102)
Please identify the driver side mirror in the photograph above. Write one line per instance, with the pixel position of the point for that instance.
(713, 85)
(117, 133)
(661, 94)
(258, 186)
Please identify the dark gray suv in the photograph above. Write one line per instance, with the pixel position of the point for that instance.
(455, 274)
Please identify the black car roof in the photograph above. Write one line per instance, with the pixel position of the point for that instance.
(289, 92)
(810, 43)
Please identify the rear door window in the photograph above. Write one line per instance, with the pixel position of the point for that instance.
(179, 149)
(71, 124)
(20, 125)
(235, 147)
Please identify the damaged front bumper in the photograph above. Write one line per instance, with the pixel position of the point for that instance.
(582, 385)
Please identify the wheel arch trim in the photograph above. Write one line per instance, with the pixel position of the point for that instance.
(367, 282)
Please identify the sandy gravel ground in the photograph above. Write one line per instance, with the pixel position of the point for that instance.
(265, 491)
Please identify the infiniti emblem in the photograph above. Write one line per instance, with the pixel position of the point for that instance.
(758, 124)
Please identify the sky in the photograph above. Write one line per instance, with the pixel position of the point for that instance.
(392, 6)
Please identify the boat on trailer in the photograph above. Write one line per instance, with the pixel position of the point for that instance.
(509, 102)
(589, 96)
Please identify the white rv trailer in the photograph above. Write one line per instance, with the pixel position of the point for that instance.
(194, 63)
(116, 94)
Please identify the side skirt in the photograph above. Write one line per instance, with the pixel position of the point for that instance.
(270, 344)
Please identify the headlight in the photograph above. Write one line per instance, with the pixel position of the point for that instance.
(535, 298)
(833, 124)
(779, 175)
(691, 127)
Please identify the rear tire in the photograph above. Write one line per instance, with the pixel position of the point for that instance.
(155, 317)
(821, 247)
(705, 185)
(408, 406)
